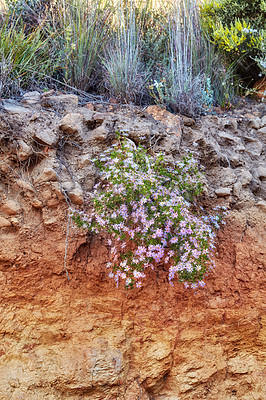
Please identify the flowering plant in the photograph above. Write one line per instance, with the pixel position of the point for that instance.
(145, 208)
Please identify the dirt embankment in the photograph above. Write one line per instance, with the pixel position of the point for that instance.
(85, 339)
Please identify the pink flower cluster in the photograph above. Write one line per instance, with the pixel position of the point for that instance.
(145, 205)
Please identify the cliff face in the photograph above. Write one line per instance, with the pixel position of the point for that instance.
(83, 338)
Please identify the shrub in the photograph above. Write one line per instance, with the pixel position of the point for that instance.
(238, 30)
(145, 208)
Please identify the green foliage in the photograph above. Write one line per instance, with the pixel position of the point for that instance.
(238, 29)
(82, 27)
(25, 58)
(143, 207)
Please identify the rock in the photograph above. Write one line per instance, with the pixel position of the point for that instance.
(253, 146)
(188, 121)
(101, 134)
(24, 151)
(14, 221)
(10, 207)
(245, 177)
(93, 120)
(4, 223)
(61, 103)
(46, 175)
(72, 125)
(75, 193)
(47, 94)
(23, 185)
(262, 133)
(263, 120)
(237, 188)
(45, 171)
(227, 139)
(31, 97)
(44, 136)
(262, 205)
(36, 204)
(255, 123)
(13, 108)
(223, 192)
(171, 121)
(76, 196)
(261, 173)
(227, 176)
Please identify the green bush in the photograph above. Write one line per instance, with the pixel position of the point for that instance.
(238, 30)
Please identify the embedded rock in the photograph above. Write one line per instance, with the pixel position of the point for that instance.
(4, 223)
(223, 192)
(10, 207)
(60, 103)
(24, 151)
(31, 97)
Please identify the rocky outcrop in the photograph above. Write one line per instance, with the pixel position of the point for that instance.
(65, 331)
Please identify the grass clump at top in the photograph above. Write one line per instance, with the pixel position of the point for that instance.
(25, 57)
(134, 50)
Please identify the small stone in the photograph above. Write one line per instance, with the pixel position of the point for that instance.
(14, 221)
(223, 192)
(12, 108)
(36, 203)
(14, 383)
(262, 205)
(47, 94)
(253, 146)
(90, 106)
(31, 97)
(72, 125)
(76, 196)
(10, 207)
(24, 185)
(4, 223)
(46, 175)
(52, 203)
(263, 120)
(64, 102)
(45, 136)
(24, 151)
(245, 177)
(262, 131)
(237, 188)
(228, 139)
(45, 171)
(188, 121)
(50, 222)
(255, 123)
(261, 173)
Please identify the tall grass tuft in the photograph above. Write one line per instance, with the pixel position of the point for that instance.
(188, 84)
(125, 75)
(25, 58)
(83, 27)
